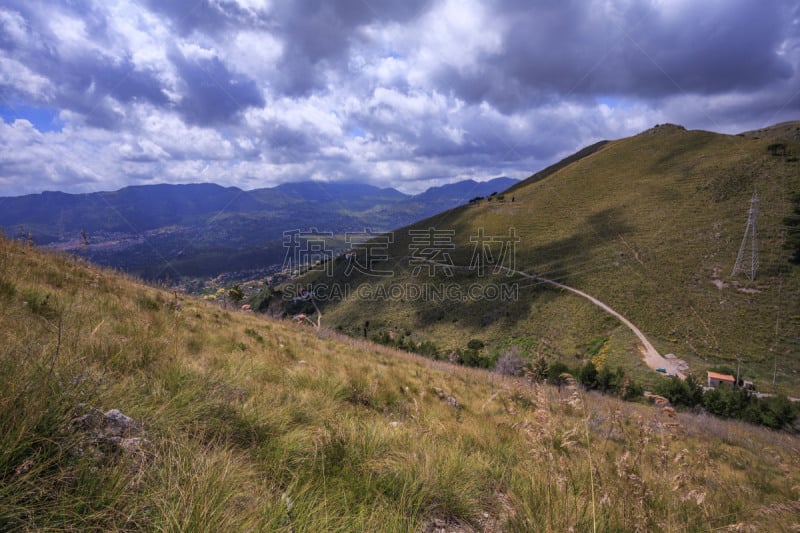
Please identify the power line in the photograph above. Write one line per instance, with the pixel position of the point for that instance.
(749, 243)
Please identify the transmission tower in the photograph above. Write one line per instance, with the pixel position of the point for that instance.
(749, 247)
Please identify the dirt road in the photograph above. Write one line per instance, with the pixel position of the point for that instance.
(650, 355)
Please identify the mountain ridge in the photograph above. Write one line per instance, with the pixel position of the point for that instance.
(186, 230)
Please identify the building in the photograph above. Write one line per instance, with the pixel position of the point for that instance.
(715, 380)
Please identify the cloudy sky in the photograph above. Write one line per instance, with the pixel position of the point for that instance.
(100, 94)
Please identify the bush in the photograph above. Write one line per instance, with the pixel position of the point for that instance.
(628, 389)
(606, 380)
(475, 344)
(510, 362)
(539, 369)
(554, 371)
(686, 393)
(475, 359)
(587, 376)
(775, 412)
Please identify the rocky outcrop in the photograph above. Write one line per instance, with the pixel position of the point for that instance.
(110, 436)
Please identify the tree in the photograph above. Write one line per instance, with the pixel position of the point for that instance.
(686, 393)
(605, 379)
(236, 294)
(554, 371)
(587, 376)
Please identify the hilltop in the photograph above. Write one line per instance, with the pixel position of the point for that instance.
(651, 225)
(124, 407)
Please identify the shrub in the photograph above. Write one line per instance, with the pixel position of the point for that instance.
(428, 349)
(475, 344)
(606, 380)
(475, 359)
(510, 362)
(539, 369)
(686, 393)
(7, 289)
(554, 371)
(587, 376)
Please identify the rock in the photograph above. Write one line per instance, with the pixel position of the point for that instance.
(118, 424)
(452, 402)
(107, 436)
(90, 421)
(133, 445)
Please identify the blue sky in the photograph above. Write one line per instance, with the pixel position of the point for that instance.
(97, 95)
(42, 118)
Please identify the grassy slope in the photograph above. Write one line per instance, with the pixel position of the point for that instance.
(645, 224)
(260, 425)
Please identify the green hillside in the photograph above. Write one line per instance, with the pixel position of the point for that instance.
(651, 225)
(127, 408)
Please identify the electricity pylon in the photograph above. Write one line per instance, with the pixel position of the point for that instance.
(749, 247)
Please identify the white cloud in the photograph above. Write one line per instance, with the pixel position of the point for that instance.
(453, 89)
(24, 80)
(13, 25)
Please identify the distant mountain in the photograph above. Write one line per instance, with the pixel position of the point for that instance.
(205, 229)
(438, 199)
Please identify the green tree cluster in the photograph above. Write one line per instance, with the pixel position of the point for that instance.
(775, 412)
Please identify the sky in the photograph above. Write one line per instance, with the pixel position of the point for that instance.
(102, 94)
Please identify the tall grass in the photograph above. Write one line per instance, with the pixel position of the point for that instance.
(256, 425)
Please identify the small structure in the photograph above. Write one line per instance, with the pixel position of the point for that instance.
(715, 380)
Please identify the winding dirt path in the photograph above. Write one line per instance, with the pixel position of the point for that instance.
(650, 355)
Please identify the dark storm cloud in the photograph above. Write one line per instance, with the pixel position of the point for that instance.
(86, 81)
(214, 94)
(564, 50)
(82, 80)
(287, 145)
(319, 35)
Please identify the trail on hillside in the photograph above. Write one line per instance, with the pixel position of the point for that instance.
(650, 355)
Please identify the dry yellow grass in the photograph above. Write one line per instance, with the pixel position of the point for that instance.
(258, 425)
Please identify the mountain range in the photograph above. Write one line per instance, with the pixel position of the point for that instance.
(205, 229)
